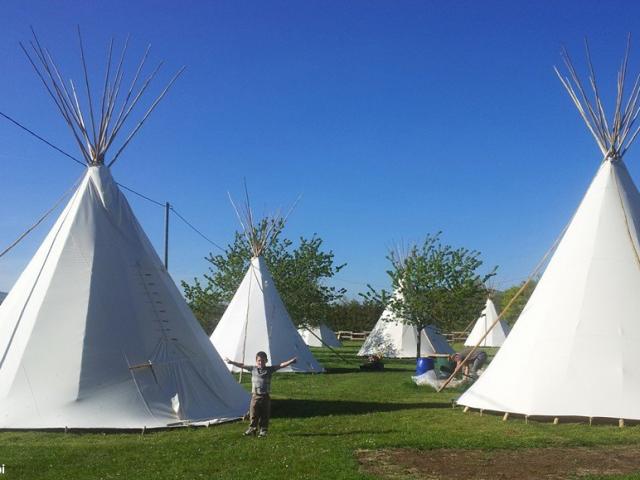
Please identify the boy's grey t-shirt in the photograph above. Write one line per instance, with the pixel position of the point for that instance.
(261, 379)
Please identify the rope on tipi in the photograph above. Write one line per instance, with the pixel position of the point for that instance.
(614, 138)
(308, 329)
(533, 275)
(40, 220)
(628, 227)
(246, 327)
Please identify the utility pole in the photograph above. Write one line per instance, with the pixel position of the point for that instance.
(167, 211)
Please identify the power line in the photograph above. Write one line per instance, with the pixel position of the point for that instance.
(15, 122)
(141, 195)
(195, 229)
(68, 155)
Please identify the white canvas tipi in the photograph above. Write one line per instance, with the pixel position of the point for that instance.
(497, 334)
(256, 319)
(394, 339)
(320, 336)
(95, 334)
(573, 351)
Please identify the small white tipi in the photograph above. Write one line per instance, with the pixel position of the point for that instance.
(394, 339)
(320, 336)
(496, 336)
(256, 319)
(574, 349)
(95, 334)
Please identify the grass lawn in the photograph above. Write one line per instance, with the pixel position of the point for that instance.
(318, 422)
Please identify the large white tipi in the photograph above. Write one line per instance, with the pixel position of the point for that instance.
(95, 334)
(256, 319)
(573, 351)
(392, 338)
(495, 337)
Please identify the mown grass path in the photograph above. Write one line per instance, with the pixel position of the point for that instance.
(318, 422)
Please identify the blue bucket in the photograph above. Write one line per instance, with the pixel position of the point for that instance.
(423, 365)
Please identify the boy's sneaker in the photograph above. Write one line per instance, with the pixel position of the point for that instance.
(250, 431)
(263, 433)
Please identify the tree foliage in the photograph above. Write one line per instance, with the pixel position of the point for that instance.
(436, 284)
(355, 316)
(511, 315)
(372, 296)
(299, 273)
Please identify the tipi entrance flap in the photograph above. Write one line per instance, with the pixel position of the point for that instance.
(155, 390)
(171, 387)
(435, 341)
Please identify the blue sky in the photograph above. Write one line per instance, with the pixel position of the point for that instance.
(392, 119)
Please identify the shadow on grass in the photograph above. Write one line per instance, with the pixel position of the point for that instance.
(293, 408)
(356, 369)
(344, 434)
(339, 370)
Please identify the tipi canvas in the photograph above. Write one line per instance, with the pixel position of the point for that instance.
(497, 334)
(573, 351)
(257, 320)
(394, 339)
(95, 334)
(320, 336)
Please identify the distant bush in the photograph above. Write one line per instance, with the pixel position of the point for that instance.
(353, 315)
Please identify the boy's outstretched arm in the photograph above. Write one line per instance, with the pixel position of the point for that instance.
(237, 364)
(288, 362)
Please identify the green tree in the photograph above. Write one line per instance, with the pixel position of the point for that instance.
(299, 273)
(353, 315)
(371, 296)
(436, 284)
(511, 315)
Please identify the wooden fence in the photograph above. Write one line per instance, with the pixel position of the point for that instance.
(453, 337)
(456, 337)
(347, 335)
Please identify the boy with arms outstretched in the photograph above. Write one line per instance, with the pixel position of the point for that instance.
(260, 408)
